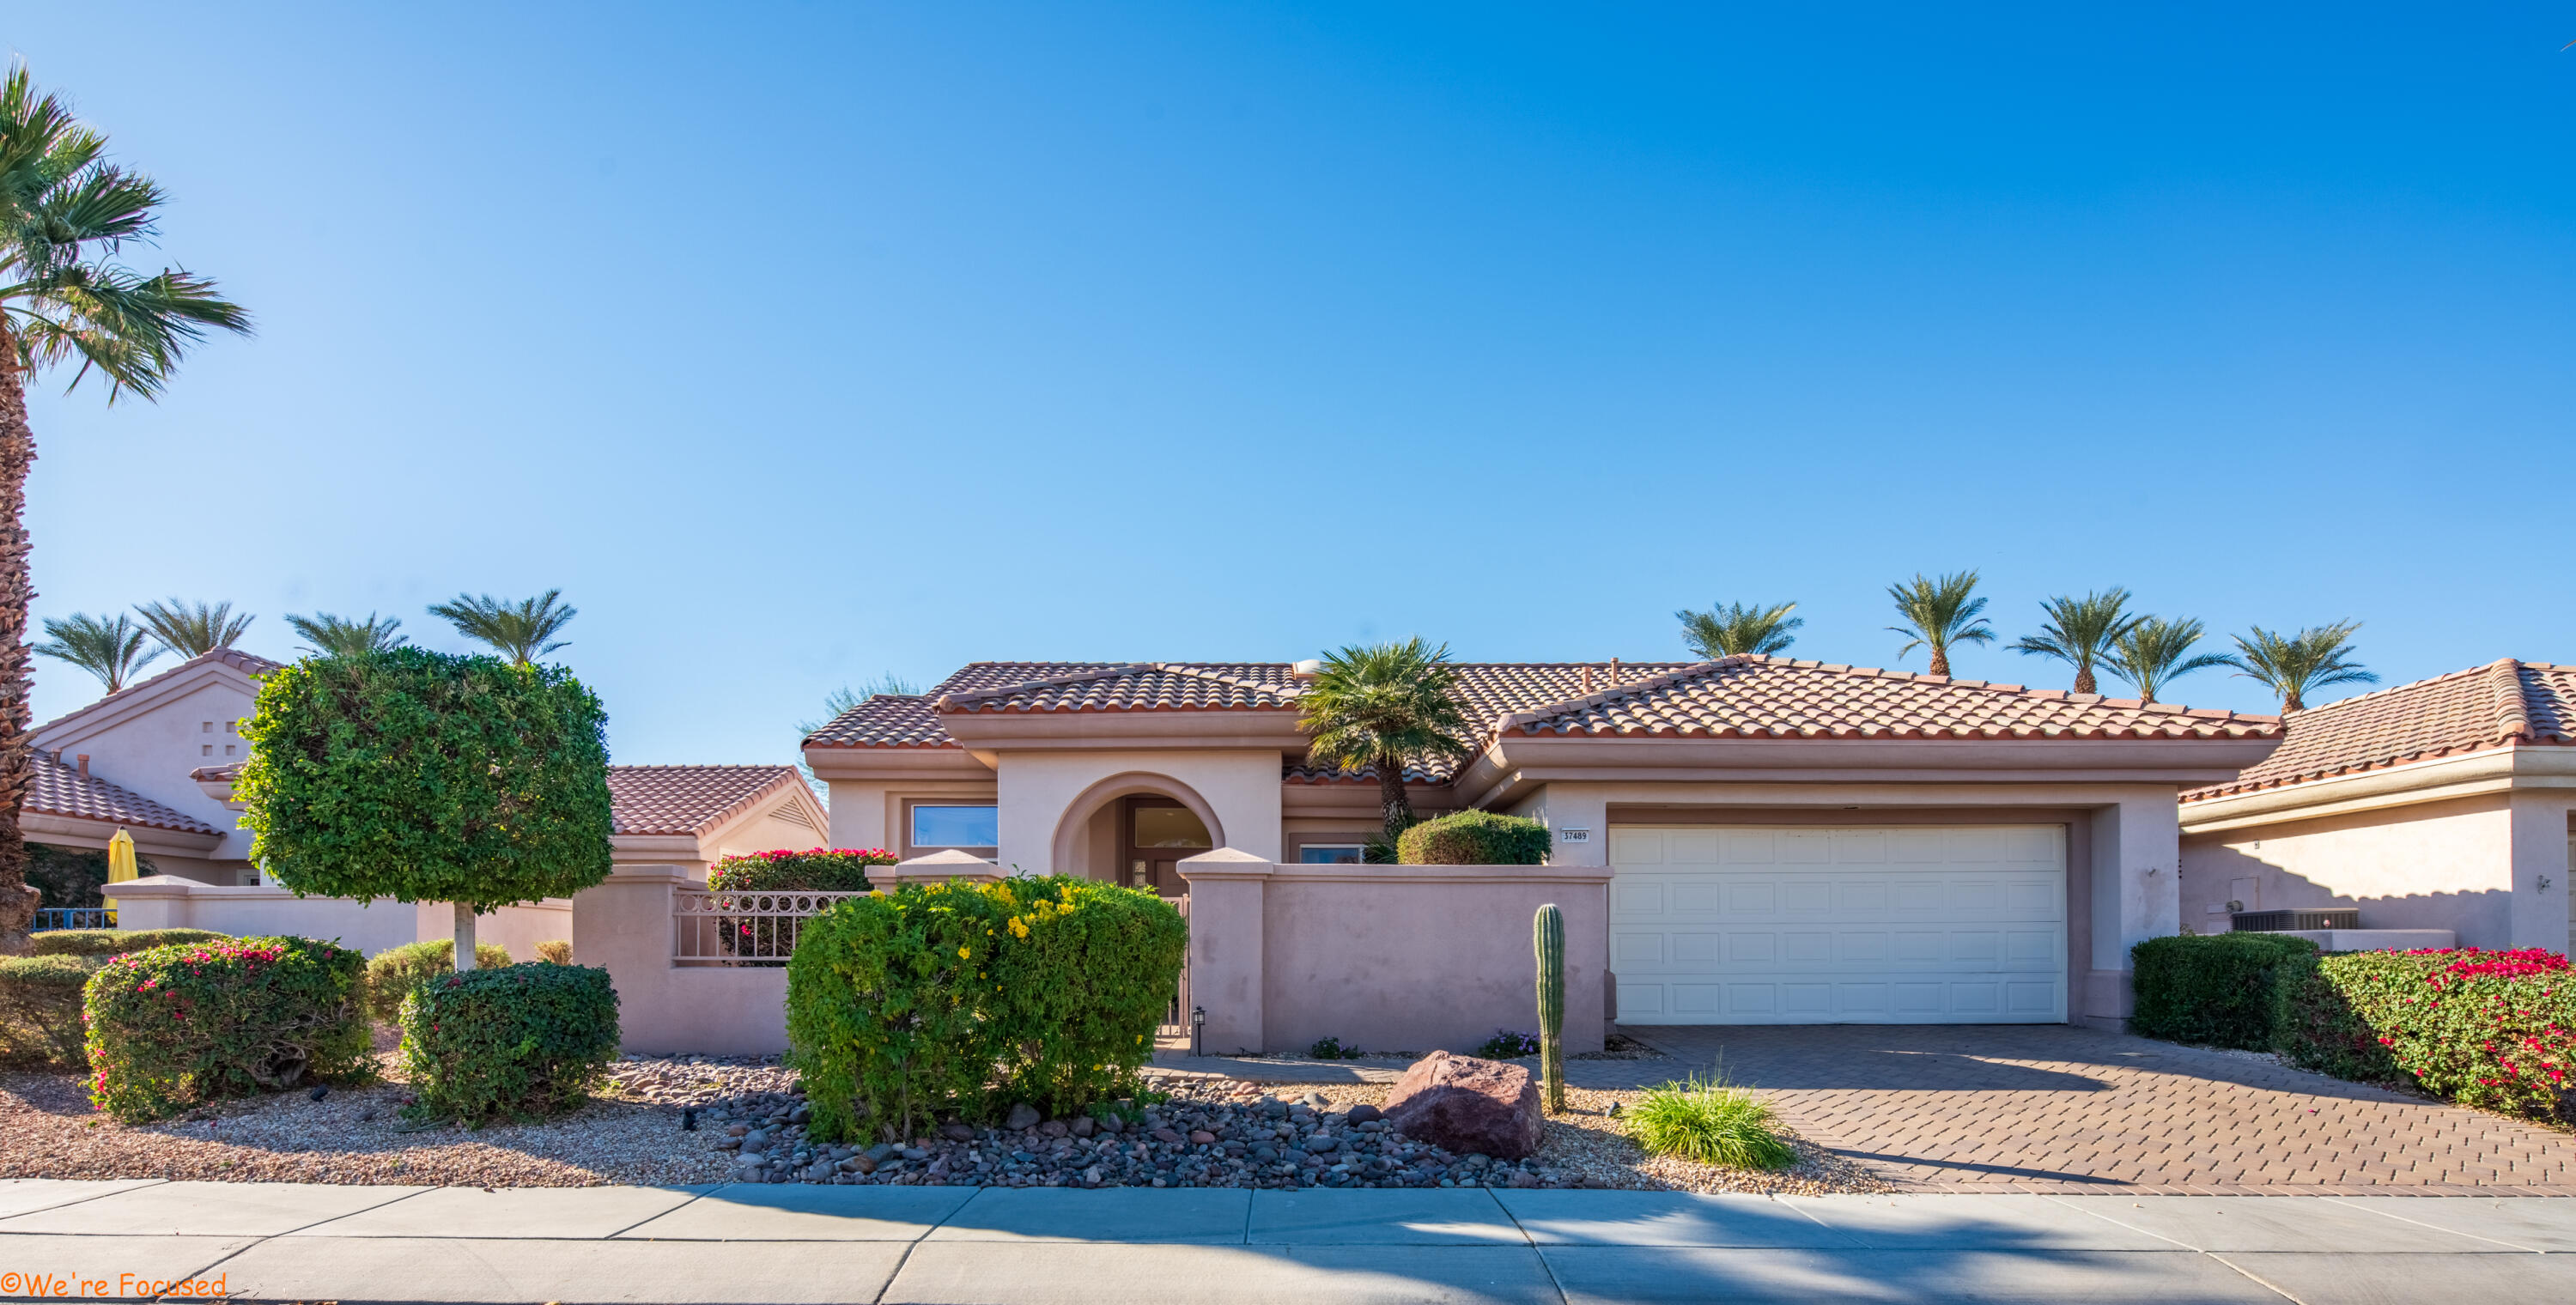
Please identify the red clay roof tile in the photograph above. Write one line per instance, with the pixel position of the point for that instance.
(60, 790)
(687, 799)
(2502, 703)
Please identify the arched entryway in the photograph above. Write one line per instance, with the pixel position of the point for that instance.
(1133, 829)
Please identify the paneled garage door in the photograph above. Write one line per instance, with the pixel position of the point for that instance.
(1808, 925)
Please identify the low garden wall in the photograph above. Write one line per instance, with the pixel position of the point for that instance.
(265, 910)
(1411, 958)
(625, 926)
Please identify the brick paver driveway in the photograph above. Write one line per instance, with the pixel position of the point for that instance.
(2053, 1108)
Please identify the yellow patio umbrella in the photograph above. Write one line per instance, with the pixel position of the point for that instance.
(120, 861)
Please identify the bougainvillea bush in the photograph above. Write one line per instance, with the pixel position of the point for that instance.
(2495, 1029)
(962, 998)
(822, 870)
(175, 1026)
(516, 1042)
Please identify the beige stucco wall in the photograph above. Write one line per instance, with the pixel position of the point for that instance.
(2475, 865)
(1047, 794)
(869, 812)
(168, 902)
(771, 831)
(624, 926)
(151, 752)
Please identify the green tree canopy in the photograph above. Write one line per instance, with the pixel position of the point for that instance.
(2081, 632)
(1729, 629)
(1939, 612)
(2293, 665)
(338, 636)
(2155, 652)
(522, 631)
(428, 777)
(1385, 705)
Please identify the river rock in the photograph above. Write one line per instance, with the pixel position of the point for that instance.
(1468, 1104)
(1022, 1116)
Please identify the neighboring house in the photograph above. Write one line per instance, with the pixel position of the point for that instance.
(143, 742)
(2447, 803)
(1790, 841)
(693, 816)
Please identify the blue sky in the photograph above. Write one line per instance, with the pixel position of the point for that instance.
(801, 344)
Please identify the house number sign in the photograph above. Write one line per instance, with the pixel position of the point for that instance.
(1570, 834)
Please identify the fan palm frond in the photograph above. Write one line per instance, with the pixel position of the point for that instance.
(1387, 706)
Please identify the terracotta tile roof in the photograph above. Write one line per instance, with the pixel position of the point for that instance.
(688, 799)
(885, 720)
(1776, 697)
(60, 790)
(1298, 772)
(227, 771)
(2502, 703)
(1139, 686)
(250, 664)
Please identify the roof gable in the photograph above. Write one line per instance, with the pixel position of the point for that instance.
(689, 800)
(243, 668)
(2503, 703)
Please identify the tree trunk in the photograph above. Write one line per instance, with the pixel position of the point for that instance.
(17, 456)
(464, 938)
(2290, 702)
(1940, 660)
(2084, 681)
(1390, 795)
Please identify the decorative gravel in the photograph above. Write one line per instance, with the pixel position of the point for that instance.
(750, 1116)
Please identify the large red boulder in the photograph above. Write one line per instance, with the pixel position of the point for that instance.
(1462, 1104)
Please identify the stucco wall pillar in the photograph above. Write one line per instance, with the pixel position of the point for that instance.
(1227, 890)
(2539, 914)
(2136, 894)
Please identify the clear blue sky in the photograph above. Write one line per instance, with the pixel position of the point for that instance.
(801, 344)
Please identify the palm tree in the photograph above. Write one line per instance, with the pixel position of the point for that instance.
(1739, 628)
(111, 650)
(1385, 705)
(1939, 612)
(520, 631)
(335, 636)
(2155, 652)
(2081, 631)
(193, 631)
(2315, 658)
(65, 215)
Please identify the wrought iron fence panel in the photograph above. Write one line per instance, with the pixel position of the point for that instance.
(744, 928)
(75, 917)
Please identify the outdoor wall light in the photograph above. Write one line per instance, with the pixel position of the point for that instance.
(1198, 1025)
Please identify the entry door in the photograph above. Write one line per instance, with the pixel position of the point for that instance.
(1857, 925)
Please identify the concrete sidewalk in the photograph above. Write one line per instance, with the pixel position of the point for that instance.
(180, 1240)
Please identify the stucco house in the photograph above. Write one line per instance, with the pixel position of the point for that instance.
(128, 761)
(2448, 803)
(1787, 841)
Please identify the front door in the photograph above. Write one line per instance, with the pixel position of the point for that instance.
(1155, 834)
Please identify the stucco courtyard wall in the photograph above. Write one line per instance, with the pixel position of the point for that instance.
(265, 910)
(624, 926)
(1387, 958)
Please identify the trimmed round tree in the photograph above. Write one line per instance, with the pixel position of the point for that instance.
(428, 777)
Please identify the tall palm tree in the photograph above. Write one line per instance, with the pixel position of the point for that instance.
(1733, 628)
(335, 636)
(1385, 705)
(520, 631)
(65, 216)
(111, 650)
(2081, 631)
(2317, 657)
(2155, 652)
(1939, 612)
(193, 631)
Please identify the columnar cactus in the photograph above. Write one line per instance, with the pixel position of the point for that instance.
(1547, 936)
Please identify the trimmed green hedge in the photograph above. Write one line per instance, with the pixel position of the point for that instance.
(176, 1026)
(517, 1042)
(40, 1008)
(960, 998)
(112, 942)
(1474, 838)
(2486, 1028)
(2215, 991)
(822, 870)
(395, 971)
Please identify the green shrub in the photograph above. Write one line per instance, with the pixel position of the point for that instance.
(516, 1042)
(1710, 1122)
(2211, 991)
(195, 1022)
(1509, 1044)
(2493, 1029)
(961, 997)
(40, 1008)
(553, 951)
(1474, 838)
(395, 971)
(821, 870)
(110, 942)
(1332, 1049)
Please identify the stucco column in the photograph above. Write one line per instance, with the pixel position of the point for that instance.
(623, 925)
(2137, 893)
(1567, 807)
(2539, 914)
(1227, 891)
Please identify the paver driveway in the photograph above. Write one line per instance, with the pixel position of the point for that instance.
(2052, 1108)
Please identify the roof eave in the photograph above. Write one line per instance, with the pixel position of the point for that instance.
(2437, 779)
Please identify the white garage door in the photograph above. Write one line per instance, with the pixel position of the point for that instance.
(1806, 925)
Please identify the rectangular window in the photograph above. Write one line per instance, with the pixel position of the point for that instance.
(209, 728)
(205, 749)
(232, 727)
(1329, 854)
(956, 826)
(228, 749)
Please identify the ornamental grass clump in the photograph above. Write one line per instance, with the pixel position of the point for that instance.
(517, 1042)
(1710, 1122)
(2495, 1029)
(178, 1026)
(963, 998)
(395, 971)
